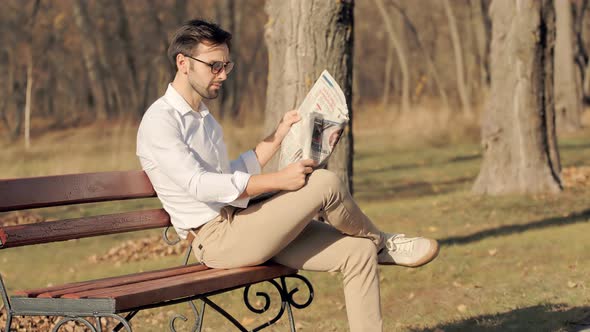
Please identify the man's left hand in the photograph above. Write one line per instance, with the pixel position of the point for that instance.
(285, 124)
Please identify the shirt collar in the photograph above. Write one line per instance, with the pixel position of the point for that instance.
(179, 104)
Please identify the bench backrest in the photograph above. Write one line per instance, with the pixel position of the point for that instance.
(49, 191)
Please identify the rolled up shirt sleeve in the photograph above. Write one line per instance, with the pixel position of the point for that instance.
(247, 162)
(181, 165)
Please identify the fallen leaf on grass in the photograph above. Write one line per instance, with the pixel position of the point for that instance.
(492, 252)
(462, 308)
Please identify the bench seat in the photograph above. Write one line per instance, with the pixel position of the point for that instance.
(130, 292)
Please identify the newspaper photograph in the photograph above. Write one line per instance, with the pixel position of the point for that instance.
(324, 115)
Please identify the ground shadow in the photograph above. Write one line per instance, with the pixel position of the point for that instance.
(547, 317)
(366, 191)
(574, 146)
(398, 167)
(576, 217)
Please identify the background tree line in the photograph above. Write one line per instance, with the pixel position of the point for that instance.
(74, 61)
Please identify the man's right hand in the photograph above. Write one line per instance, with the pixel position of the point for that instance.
(293, 176)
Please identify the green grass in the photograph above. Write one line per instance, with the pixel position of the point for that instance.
(509, 263)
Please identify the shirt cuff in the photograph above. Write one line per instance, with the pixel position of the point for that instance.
(251, 162)
(240, 180)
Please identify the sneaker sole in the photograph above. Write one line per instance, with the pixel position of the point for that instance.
(427, 258)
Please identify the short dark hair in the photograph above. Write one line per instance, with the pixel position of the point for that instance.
(193, 32)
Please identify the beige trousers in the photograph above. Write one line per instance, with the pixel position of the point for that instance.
(281, 229)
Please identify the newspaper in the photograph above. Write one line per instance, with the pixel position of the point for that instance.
(324, 115)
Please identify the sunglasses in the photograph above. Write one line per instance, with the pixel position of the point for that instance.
(216, 66)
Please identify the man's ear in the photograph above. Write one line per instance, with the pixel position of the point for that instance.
(182, 63)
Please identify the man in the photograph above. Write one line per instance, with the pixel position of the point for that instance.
(181, 148)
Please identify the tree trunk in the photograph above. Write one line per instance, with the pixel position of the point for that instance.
(28, 101)
(304, 37)
(581, 56)
(518, 129)
(30, 63)
(481, 33)
(90, 54)
(429, 61)
(401, 55)
(226, 18)
(459, 63)
(568, 85)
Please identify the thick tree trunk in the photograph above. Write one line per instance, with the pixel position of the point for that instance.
(304, 37)
(568, 85)
(401, 55)
(459, 63)
(518, 132)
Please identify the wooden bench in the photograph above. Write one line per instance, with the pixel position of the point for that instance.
(121, 297)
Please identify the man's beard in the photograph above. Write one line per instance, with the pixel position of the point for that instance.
(205, 93)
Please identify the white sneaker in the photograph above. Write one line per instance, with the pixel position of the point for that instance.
(407, 251)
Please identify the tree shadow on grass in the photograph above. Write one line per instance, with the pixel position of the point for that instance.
(574, 218)
(574, 146)
(398, 167)
(546, 317)
(368, 191)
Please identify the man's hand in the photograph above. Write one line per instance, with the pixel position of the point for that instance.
(293, 176)
(270, 145)
(285, 124)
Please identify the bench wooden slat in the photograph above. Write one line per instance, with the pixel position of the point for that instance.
(115, 281)
(40, 291)
(226, 279)
(35, 192)
(53, 231)
(109, 292)
(165, 289)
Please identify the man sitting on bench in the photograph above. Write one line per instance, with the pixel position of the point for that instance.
(181, 148)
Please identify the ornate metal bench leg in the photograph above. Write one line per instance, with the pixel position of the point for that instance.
(7, 306)
(198, 318)
(8, 320)
(288, 305)
(289, 297)
(74, 319)
(124, 322)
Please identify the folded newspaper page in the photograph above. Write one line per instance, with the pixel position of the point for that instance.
(324, 115)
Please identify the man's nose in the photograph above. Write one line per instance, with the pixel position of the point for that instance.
(222, 75)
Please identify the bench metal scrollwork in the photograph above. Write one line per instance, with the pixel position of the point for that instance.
(287, 298)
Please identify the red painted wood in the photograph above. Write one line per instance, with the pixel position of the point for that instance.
(133, 295)
(53, 231)
(27, 193)
(115, 281)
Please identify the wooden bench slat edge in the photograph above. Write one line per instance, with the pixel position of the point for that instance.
(124, 280)
(62, 230)
(37, 292)
(197, 287)
(45, 191)
(108, 292)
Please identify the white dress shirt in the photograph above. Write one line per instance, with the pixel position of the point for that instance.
(183, 153)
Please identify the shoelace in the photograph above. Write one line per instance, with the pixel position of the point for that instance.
(396, 243)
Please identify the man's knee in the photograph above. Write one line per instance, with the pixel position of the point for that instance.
(363, 253)
(325, 179)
